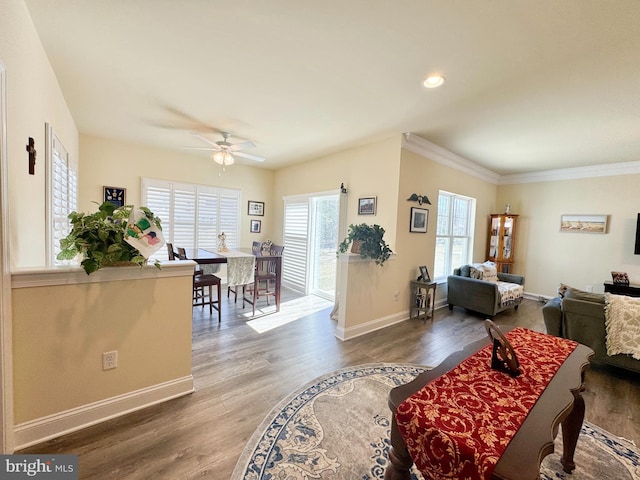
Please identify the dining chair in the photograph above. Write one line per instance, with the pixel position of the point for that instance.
(171, 251)
(276, 250)
(267, 269)
(202, 297)
(205, 297)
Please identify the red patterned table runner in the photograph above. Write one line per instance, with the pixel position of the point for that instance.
(458, 425)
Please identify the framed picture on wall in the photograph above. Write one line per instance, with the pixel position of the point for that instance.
(419, 220)
(367, 206)
(255, 208)
(256, 226)
(115, 195)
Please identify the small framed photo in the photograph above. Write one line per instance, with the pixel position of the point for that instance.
(419, 220)
(424, 274)
(256, 226)
(115, 195)
(255, 208)
(367, 206)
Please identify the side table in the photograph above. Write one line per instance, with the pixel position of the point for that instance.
(423, 299)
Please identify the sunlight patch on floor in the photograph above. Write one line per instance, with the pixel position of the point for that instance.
(289, 312)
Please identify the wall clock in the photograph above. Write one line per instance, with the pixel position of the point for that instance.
(115, 195)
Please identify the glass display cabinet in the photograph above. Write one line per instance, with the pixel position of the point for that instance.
(502, 234)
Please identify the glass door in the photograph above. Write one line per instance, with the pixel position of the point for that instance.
(323, 242)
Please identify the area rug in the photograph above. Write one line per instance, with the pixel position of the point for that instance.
(338, 427)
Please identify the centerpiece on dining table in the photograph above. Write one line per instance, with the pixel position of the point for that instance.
(222, 242)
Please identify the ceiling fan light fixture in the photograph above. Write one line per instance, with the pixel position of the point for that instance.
(223, 158)
(434, 80)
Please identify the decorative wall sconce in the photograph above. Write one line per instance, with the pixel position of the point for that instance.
(419, 198)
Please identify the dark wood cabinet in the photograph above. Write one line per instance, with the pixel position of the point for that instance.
(630, 290)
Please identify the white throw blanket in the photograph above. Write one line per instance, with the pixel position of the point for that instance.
(510, 293)
(622, 322)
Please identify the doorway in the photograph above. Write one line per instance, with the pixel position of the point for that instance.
(311, 236)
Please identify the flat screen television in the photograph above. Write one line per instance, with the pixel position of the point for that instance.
(637, 250)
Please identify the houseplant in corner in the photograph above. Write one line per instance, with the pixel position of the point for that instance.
(368, 241)
(101, 237)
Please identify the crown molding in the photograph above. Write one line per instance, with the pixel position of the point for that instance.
(438, 154)
(604, 170)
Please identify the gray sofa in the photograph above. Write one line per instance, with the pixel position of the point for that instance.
(579, 316)
(478, 295)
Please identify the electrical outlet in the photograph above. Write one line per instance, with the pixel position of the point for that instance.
(396, 294)
(109, 360)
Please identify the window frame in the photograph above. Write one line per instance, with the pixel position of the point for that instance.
(450, 237)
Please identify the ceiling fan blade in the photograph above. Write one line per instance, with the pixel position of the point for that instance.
(241, 146)
(250, 157)
(209, 149)
(204, 139)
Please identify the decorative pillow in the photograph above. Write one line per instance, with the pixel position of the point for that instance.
(475, 272)
(465, 271)
(562, 288)
(490, 272)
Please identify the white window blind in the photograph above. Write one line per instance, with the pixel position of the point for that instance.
(296, 232)
(62, 173)
(193, 215)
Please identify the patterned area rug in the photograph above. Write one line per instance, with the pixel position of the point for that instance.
(338, 428)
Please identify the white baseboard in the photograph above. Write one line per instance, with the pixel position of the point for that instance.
(371, 326)
(52, 426)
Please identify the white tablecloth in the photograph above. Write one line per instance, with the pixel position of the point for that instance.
(240, 267)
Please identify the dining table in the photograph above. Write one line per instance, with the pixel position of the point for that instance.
(206, 257)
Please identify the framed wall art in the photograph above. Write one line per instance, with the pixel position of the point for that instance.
(419, 220)
(583, 223)
(256, 225)
(255, 208)
(367, 206)
(115, 195)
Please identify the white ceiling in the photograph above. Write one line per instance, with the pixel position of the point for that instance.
(531, 85)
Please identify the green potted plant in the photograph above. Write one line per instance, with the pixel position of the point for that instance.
(100, 238)
(368, 241)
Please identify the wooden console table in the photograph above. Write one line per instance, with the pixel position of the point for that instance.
(560, 403)
(630, 290)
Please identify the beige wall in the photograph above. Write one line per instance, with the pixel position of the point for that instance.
(33, 98)
(547, 257)
(121, 164)
(427, 177)
(57, 350)
(366, 171)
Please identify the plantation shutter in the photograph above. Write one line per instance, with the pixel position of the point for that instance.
(193, 215)
(64, 195)
(296, 226)
(230, 217)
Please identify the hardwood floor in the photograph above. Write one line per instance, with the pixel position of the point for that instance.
(241, 374)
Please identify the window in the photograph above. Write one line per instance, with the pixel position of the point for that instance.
(62, 194)
(454, 235)
(193, 215)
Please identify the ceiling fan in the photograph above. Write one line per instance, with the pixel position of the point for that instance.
(224, 151)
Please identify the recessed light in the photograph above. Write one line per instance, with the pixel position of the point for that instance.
(433, 81)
